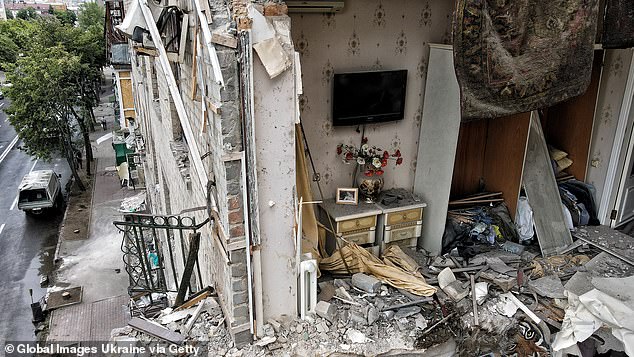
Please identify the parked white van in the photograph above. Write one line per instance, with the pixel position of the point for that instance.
(39, 191)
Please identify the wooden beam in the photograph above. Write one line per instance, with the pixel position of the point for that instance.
(195, 64)
(224, 40)
(192, 257)
(183, 39)
(156, 331)
(543, 194)
(215, 64)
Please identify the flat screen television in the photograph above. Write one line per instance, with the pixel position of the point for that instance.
(368, 97)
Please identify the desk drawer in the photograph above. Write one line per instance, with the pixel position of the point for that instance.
(409, 215)
(366, 237)
(356, 224)
(397, 234)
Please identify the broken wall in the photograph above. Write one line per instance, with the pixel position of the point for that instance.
(366, 36)
(173, 184)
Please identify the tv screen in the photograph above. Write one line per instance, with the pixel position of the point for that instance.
(368, 97)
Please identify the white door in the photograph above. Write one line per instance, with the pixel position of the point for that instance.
(625, 199)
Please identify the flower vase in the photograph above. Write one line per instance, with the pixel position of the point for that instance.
(369, 183)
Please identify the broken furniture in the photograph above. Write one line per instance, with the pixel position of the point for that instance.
(395, 219)
(490, 154)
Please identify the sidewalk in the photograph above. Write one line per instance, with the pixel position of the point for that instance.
(93, 259)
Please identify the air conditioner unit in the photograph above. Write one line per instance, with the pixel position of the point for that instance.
(314, 6)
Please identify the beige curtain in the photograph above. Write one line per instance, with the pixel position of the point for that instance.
(311, 237)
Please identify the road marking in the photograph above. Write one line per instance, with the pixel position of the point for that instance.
(15, 202)
(1, 228)
(32, 167)
(6, 151)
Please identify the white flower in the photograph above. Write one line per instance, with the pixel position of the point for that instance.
(376, 162)
(360, 161)
(365, 148)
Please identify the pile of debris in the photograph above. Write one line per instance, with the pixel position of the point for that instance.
(497, 302)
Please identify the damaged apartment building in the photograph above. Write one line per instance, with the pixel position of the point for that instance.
(272, 135)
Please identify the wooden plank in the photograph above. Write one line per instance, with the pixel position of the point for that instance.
(469, 164)
(183, 39)
(224, 40)
(156, 331)
(504, 157)
(437, 145)
(569, 124)
(543, 195)
(195, 64)
(193, 301)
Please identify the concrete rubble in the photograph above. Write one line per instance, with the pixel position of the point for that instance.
(360, 315)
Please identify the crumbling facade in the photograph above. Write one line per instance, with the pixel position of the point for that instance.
(195, 107)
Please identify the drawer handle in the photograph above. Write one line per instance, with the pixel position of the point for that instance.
(357, 223)
(404, 217)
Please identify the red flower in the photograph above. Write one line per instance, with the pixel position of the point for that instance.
(386, 154)
(364, 140)
(399, 161)
(368, 173)
(339, 150)
(379, 172)
(397, 153)
(349, 156)
(384, 163)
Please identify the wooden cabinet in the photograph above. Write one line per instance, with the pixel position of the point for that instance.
(352, 223)
(488, 154)
(374, 226)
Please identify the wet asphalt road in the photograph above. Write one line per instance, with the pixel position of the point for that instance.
(27, 244)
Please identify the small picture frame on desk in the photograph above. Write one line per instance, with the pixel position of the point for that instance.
(347, 196)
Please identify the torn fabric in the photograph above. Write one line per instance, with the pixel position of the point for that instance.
(587, 313)
(360, 260)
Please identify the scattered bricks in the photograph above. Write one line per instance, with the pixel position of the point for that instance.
(341, 283)
(357, 317)
(366, 283)
(326, 310)
(236, 217)
(276, 325)
(236, 231)
(273, 9)
(372, 314)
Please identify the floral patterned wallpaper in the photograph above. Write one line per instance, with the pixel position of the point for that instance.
(613, 81)
(367, 35)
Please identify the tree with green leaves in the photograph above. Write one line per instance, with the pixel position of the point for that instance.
(66, 17)
(43, 98)
(8, 50)
(91, 16)
(9, 15)
(27, 14)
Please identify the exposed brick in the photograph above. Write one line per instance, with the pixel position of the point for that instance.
(240, 298)
(240, 311)
(239, 284)
(236, 231)
(238, 256)
(238, 270)
(242, 338)
(236, 216)
(234, 202)
(273, 9)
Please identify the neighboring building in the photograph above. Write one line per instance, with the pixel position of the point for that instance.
(40, 8)
(217, 96)
(3, 14)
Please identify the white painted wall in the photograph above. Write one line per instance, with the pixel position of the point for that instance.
(275, 142)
